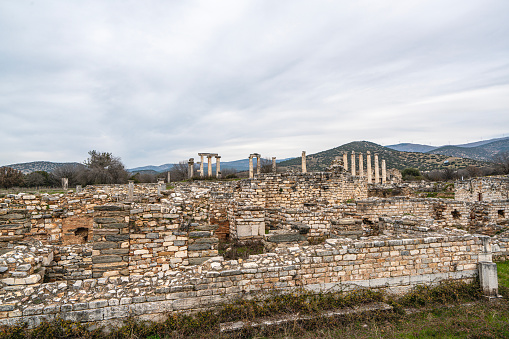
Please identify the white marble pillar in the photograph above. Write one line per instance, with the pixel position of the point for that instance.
(130, 192)
(251, 175)
(160, 185)
(258, 164)
(304, 169)
(65, 183)
(361, 165)
(190, 168)
(209, 166)
(384, 172)
(345, 161)
(201, 166)
(274, 169)
(377, 171)
(353, 163)
(368, 166)
(218, 167)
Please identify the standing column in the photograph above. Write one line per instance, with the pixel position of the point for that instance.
(169, 176)
(258, 164)
(274, 170)
(201, 166)
(384, 172)
(130, 192)
(304, 169)
(190, 168)
(160, 186)
(345, 161)
(218, 167)
(65, 183)
(353, 163)
(377, 173)
(209, 167)
(368, 163)
(251, 167)
(361, 165)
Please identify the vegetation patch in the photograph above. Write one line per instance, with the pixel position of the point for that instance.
(240, 249)
(431, 319)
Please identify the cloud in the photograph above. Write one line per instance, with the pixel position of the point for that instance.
(160, 81)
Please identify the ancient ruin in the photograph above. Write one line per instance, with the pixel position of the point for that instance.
(102, 253)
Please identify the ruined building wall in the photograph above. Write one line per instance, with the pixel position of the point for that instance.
(338, 265)
(482, 189)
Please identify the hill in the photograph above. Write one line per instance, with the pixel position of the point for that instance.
(47, 166)
(408, 147)
(484, 152)
(239, 165)
(394, 159)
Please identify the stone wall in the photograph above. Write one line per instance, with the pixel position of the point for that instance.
(482, 189)
(337, 265)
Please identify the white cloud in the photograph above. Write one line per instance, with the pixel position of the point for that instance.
(160, 81)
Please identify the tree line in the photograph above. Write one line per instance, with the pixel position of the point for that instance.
(99, 168)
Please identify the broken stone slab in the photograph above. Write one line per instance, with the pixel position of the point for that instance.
(302, 228)
(199, 234)
(102, 259)
(199, 247)
(291, 237)
(107, 208)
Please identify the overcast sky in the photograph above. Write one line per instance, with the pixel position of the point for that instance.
(159, 81)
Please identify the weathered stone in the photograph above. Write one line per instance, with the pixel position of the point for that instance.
(291, 237)
(102, 259)
(199, 234)
(199, 247)
(108, 208)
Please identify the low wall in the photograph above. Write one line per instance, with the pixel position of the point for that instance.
(337, 265)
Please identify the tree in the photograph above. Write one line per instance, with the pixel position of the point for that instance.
(501, 160)
(411, 174)
(73, 172)
(103, 168)
(40, 178)
(266, 165)
(10, 177)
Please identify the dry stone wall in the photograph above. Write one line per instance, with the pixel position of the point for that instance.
(339, 264)
(482, 189)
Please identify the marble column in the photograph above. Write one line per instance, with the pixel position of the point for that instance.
(209, 166)
(190, 168)
(258, 164)
(201, 166)
(361, 165)
(65, 183)
(384, 172)
(130, 192)
(368, 168)
(377, 171)
(160, 185)
(353, 163)
(218, 167)
(251, 175)
(345, 161)
(274, 169)
(304, 169)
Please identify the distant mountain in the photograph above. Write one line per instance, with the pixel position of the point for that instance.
(47, 166)
(482, 142)
(484, 152)
(239, 165)
(394, 159)
(407, 147)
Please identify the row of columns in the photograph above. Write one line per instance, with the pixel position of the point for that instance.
(353, 169)
(190, 165)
